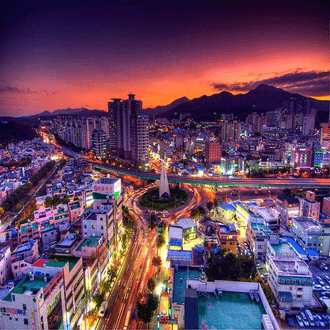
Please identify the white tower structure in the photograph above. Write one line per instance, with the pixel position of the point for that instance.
(163, 184)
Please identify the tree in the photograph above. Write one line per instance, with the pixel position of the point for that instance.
(153, 303)
(161, 241)
(65, 199)
(209, 205)
(157, 261)
(56, 200)
(98, 298)
(151, 284)
(143, 312)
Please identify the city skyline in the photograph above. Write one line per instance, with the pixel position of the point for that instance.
(70, 56)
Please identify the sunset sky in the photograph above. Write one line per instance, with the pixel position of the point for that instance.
(72, 54)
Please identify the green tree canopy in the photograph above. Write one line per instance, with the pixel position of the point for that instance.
(151, 284)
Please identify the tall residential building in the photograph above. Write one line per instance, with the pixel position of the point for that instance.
(308, 125)
(99, 143)
(140, 139)
(231, 131)
(120, 122)
(213, 152)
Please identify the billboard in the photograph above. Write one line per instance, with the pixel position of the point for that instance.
(106, 188)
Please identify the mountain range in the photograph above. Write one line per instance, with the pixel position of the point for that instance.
(261, 99)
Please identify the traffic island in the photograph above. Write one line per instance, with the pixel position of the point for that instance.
(152, 201)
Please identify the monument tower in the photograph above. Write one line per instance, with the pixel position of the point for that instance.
(163, 184)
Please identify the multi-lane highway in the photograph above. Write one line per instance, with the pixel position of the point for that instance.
(210, 181)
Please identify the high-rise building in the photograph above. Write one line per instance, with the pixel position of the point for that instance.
(308, 125)
(140, 139)
(120, 122)
(212, 152)
(99, 143)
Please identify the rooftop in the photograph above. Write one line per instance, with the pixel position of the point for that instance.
(180, 282)
(185, 223)
(307, 223)
(26, 285)
(283, 248)
(228, 207)
(259, 227)
(34, 226)
(93, 242)
(107, 180)
(288, 267)
(228, 229)
(233, 310)
(290, 200)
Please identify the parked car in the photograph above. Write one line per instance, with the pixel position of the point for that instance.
(320, 319)
(316, 321)
(290, 322)
(317, 287)
(325, 319)
(326, 288)
(326, 277)
(299, 320)
(304, 319)
(319, 279)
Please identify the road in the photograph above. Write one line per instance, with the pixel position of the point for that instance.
(210, 181)
(138, 267)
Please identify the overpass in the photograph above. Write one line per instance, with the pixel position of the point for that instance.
(219, 182)
(210, 181)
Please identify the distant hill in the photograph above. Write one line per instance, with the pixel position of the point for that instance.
(161, 109)
(261, 99)
(12, 131)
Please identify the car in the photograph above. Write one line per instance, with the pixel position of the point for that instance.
(326, 277)
(325, 319)
(317, 287)
(290, 322)
(316, 321)
(299, 320)
(325, 293)
(320, 319)
(326, 288)
(325, 266)
(319, 279)
(304, 319)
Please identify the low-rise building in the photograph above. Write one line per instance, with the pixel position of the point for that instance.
(308, 233)
(71, 269)
(189, 228)
(257, 235)
(29, 231)
(227, 237)
(22, 258)
(5, 265)
(48, 236)
(35, 303)
(291, 282)
(289, 208)
(309, 207)
(67, 245)
(94, 252)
